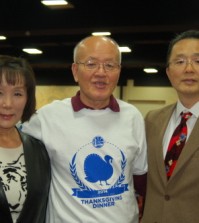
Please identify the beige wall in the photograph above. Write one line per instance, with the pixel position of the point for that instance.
(148, 98)
(144, 98)
(46, 94)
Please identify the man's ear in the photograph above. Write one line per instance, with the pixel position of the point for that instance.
(167, 72)
(74, 69)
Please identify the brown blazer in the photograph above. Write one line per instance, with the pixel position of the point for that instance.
(176, 200)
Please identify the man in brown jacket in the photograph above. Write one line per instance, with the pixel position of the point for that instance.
(175, 199)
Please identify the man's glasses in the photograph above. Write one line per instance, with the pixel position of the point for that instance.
(181, 63)
(95, 65)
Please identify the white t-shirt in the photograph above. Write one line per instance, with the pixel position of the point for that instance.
(94, 154)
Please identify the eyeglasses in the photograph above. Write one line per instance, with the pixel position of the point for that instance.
(181, 63)
(95, 65)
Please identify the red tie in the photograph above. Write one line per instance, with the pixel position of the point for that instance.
(176, 144)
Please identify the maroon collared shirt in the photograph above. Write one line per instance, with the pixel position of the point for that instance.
(78, 104)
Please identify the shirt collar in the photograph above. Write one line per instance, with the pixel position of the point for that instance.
(78, 104)
(180, 108)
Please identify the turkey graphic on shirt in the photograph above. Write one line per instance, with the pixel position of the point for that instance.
(103, 168)
(99, 174)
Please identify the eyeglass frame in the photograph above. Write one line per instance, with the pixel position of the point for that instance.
(183, 62)
(98, 65)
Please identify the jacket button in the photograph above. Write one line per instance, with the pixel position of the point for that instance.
(167, 197)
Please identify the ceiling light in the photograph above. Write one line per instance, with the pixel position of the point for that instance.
(150, 70)
(124, 49)
(32, 51)
(2, 37)
(101, 33)
(54, 2)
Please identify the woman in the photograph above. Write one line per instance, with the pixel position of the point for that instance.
(24, 163)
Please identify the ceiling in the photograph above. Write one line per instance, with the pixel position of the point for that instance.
(146, 26)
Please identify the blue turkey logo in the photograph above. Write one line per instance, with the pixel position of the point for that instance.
(103, 168)
(98, 178)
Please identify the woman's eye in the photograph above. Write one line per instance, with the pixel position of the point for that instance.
(18, 94)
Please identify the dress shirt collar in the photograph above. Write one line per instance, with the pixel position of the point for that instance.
(78, 105)
(180, 108)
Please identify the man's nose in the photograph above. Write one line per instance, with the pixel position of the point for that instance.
(189, 65)
(101, 68)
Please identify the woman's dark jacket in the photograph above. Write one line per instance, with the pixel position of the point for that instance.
(38, 183)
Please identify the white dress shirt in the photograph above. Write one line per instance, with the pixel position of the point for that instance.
(175, 120)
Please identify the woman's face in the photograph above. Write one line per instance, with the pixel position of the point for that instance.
(13, 99)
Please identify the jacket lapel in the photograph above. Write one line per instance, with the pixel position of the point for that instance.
(28, 152)
(162, 121)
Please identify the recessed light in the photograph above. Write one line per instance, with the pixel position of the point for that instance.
(61, 4)
(124, 49)
(32, 51)
(150, 70)
(52, 2)
(2, 37)
(101, 33)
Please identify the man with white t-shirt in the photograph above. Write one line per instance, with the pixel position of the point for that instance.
(96, 143)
